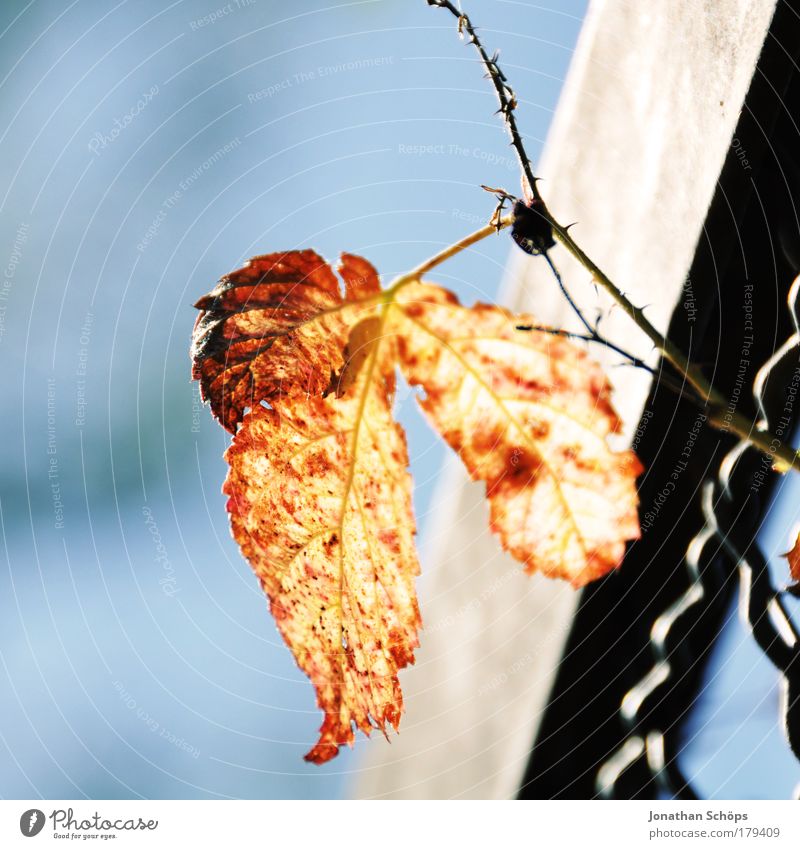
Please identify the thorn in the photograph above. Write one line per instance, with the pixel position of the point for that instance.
(501, 193)
(566, 229)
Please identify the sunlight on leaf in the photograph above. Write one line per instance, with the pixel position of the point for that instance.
(319, 490)
(528, 413)
(320, 503)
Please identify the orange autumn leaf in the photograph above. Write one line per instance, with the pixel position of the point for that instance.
(319, 492)
(528, 413)
(793, 557)
(278, 325)
(320, 503)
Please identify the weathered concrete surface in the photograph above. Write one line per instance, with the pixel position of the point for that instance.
(647, 114)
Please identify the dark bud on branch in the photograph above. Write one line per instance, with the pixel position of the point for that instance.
(531, 229)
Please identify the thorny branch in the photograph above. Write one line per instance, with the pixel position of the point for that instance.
(708, 395)
(505, 94)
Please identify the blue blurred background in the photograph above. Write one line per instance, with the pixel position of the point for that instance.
(148, 149)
